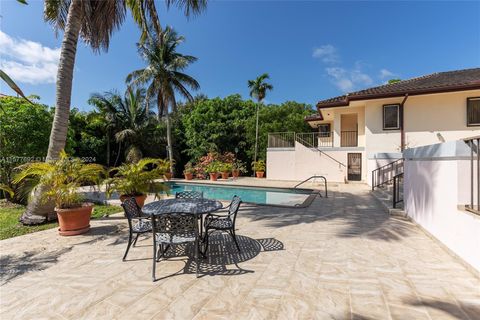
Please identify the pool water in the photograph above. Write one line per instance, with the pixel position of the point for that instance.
(257, 195)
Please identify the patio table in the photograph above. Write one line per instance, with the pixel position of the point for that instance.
(197, 207)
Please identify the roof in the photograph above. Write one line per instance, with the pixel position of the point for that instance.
(313, 117)
(448, 81)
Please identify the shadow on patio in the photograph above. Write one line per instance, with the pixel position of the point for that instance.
(357, 214)
(223, 258)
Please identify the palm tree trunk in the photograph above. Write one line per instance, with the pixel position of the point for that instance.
(256, 138)
(38, 212)
(169, 142)
(108, 148)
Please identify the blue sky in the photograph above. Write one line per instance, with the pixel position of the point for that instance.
(312, 50)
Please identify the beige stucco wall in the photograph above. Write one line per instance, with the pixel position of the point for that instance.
(427, 119)
(337, 123)
(302, 162)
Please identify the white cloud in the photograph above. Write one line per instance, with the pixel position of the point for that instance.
(384, 73)
(327, 53)
(349, 80)
(28, 61)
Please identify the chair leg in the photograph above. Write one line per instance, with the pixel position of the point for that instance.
(154, 258)
(205, 241)
(136, 238)
(196, 249)
(128, 246)
(232, 233)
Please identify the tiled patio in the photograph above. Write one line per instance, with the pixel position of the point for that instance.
(341, 258)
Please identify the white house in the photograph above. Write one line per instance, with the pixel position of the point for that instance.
(356, 133)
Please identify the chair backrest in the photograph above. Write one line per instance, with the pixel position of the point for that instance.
(175, 223)
(131, 208)
(234, 206)
(189, 195)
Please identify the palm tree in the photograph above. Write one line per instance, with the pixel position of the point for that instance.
(127, 117)
(94, 21)
(163, 76)
(258, 90)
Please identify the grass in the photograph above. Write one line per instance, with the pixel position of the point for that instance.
(10, 213)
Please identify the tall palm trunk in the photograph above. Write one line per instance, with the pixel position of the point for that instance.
(37, 212)
(256, 136)
(169, 141)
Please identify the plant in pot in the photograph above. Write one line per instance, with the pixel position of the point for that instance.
(188, 171)
(225, 168)
(237, 168)
(212, 170)
(164, 165)
(137, 180)
(259, 168)
(62, 179)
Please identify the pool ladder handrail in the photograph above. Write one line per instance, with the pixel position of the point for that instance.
(314, 177)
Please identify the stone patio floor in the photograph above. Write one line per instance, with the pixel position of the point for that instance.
(341, 258)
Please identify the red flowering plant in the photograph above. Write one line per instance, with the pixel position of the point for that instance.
(203, 162)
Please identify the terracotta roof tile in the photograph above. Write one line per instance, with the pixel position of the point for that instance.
(433, 83)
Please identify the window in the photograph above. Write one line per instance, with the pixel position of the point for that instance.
(324, 129)
(473, 111)
(391, 117)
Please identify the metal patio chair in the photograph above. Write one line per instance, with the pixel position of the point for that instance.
(173, 229)
(137, 224)
(223, 222)
(189, 195)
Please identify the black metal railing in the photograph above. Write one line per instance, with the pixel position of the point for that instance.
(281, 140)
(349, 138)
(397, 189)
(474, 144)
(386, 173)
(316, 139)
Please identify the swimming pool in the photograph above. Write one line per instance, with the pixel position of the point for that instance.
(258, 195)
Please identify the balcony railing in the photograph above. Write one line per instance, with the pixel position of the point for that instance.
(281, 140)
(311, 139)
(316, 139)
(349, 138)
(474, 144)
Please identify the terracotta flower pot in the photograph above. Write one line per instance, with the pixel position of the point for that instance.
(213, 176)
(225, 175)
(139, 199)
(260, 174)
(235, 173)
(168, 175)
(188, 176)
(74, 221)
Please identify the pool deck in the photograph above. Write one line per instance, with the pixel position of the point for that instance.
(341, 258)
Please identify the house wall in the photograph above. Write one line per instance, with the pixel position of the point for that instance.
(436, 182)
(428, 119)
(337, 123)
(301, 162)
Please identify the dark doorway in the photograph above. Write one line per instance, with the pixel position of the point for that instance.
(354, 172)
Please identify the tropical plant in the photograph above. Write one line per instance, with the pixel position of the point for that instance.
(94, 21)
(163, 76)
(239, 166)
(258, 166)
(189, 168)
(135, 179)
(62, 178)
(258, 90)
(213, 167)
(225, 167)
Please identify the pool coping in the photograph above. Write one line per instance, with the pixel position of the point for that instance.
(313, 193)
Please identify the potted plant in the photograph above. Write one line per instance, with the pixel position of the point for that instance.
(61, 180)
(225, 169)
(237, 168)
(259, 168)
(212, 170)
(137, 179)
(165, 166)
(188, 171)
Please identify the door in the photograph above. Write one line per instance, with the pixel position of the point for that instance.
(354, 168)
